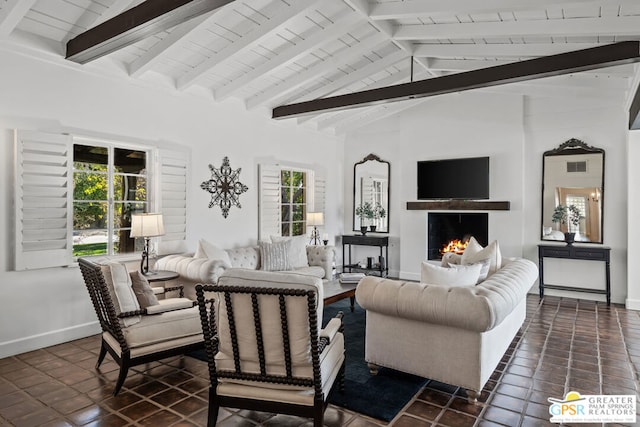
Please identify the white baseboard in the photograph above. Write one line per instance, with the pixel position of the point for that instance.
(632, 304)
(35, 342)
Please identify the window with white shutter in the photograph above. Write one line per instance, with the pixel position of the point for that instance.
(286, 195)
(118, 179)
(173, 167)
(43, 202)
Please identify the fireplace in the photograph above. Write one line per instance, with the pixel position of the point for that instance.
(445, 227)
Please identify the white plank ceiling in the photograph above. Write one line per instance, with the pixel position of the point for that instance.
(266, 53)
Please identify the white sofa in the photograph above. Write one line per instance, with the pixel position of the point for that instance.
(195, 270)
(456, 335)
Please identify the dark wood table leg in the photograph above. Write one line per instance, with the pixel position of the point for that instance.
(353, 303)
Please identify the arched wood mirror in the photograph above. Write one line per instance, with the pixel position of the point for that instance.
(573, 192)
(371, 191)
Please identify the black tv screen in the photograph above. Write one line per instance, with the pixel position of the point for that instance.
(454, 179)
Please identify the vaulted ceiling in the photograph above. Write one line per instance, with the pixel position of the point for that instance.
(268, 53)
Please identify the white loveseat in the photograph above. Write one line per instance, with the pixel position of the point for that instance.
(456, 335)
(194, 270)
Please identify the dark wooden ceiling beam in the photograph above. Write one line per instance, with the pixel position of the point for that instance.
(548, 66)
(135, 24)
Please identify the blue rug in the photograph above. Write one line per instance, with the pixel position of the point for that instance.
(381, 396)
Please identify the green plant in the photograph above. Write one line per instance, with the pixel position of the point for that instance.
(379, 211)
(365, 211)
(564, 214)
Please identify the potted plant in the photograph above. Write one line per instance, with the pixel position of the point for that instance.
(378, 213)
(567, 214)
(363, 211)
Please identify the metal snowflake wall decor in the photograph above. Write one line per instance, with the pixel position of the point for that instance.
(224, 187)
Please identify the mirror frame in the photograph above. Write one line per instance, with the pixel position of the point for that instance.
(373, 157)
(569, 147)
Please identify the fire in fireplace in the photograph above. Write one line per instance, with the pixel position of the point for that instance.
(444, 229)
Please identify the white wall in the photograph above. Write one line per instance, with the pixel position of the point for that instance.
(459, 125)
(514, 131)
(43, 307)
(633, 234)
(602, 125)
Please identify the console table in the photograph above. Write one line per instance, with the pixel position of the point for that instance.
(381, 241)
(592, 253)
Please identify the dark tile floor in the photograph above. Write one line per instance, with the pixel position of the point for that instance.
(565, 344)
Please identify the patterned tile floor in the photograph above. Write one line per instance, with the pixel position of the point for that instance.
(565, 344)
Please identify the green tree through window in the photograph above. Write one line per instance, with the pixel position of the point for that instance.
(109, 184)
(293, 192)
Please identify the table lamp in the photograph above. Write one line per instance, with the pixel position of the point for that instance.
(146, 225)
(315, 219)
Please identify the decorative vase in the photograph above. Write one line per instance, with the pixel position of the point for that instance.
(363, 229)
(569, 238)
(372, 228)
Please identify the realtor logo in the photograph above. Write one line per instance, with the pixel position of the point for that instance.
(577, 408)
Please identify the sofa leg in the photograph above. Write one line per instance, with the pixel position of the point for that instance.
(472, 396)
(373, 368)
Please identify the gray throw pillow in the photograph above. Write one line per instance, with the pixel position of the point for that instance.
(142, 290)
(275, 256)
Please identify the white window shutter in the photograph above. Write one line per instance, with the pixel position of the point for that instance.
(269, 216)
(43, 200)
(173, 166)
(319, 191)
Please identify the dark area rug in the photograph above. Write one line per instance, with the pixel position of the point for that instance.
(381, 396)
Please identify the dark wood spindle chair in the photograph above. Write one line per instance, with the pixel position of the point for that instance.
(136, 344)
(264, 347)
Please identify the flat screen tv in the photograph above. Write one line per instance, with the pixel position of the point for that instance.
(454, 179)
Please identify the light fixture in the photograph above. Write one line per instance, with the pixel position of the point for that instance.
(315, 219)
(146, 225)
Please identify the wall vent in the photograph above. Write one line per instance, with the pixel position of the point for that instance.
(577, 166)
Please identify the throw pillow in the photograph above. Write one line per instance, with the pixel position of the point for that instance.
(484, 268)
(209, 250)
(298, 250)
(450, 258)
(275, 256)
(142, 290)
(474, 252)
(117, 278)
(460, 275)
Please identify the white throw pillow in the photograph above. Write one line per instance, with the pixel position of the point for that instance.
(484, 268)
(275, 256)
(125, 296)
(209, 250)
(474, 252)
(460, 275)
(297, 251)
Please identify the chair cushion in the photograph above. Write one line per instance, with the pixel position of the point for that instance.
(275, 256)
(144, 293)
(331, 360)
(297, 312)
(118, 283)
(310, 271)
(297, 250)
(167, 326)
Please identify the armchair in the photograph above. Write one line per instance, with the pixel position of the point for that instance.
(263, 345)
(131, 335)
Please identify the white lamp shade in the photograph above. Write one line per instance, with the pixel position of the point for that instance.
(147, 225)
(315, 218)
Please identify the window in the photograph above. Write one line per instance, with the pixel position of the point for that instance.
(581, 203)
(109, 185)
(293, 202)
(74, 196)
(286, 194)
